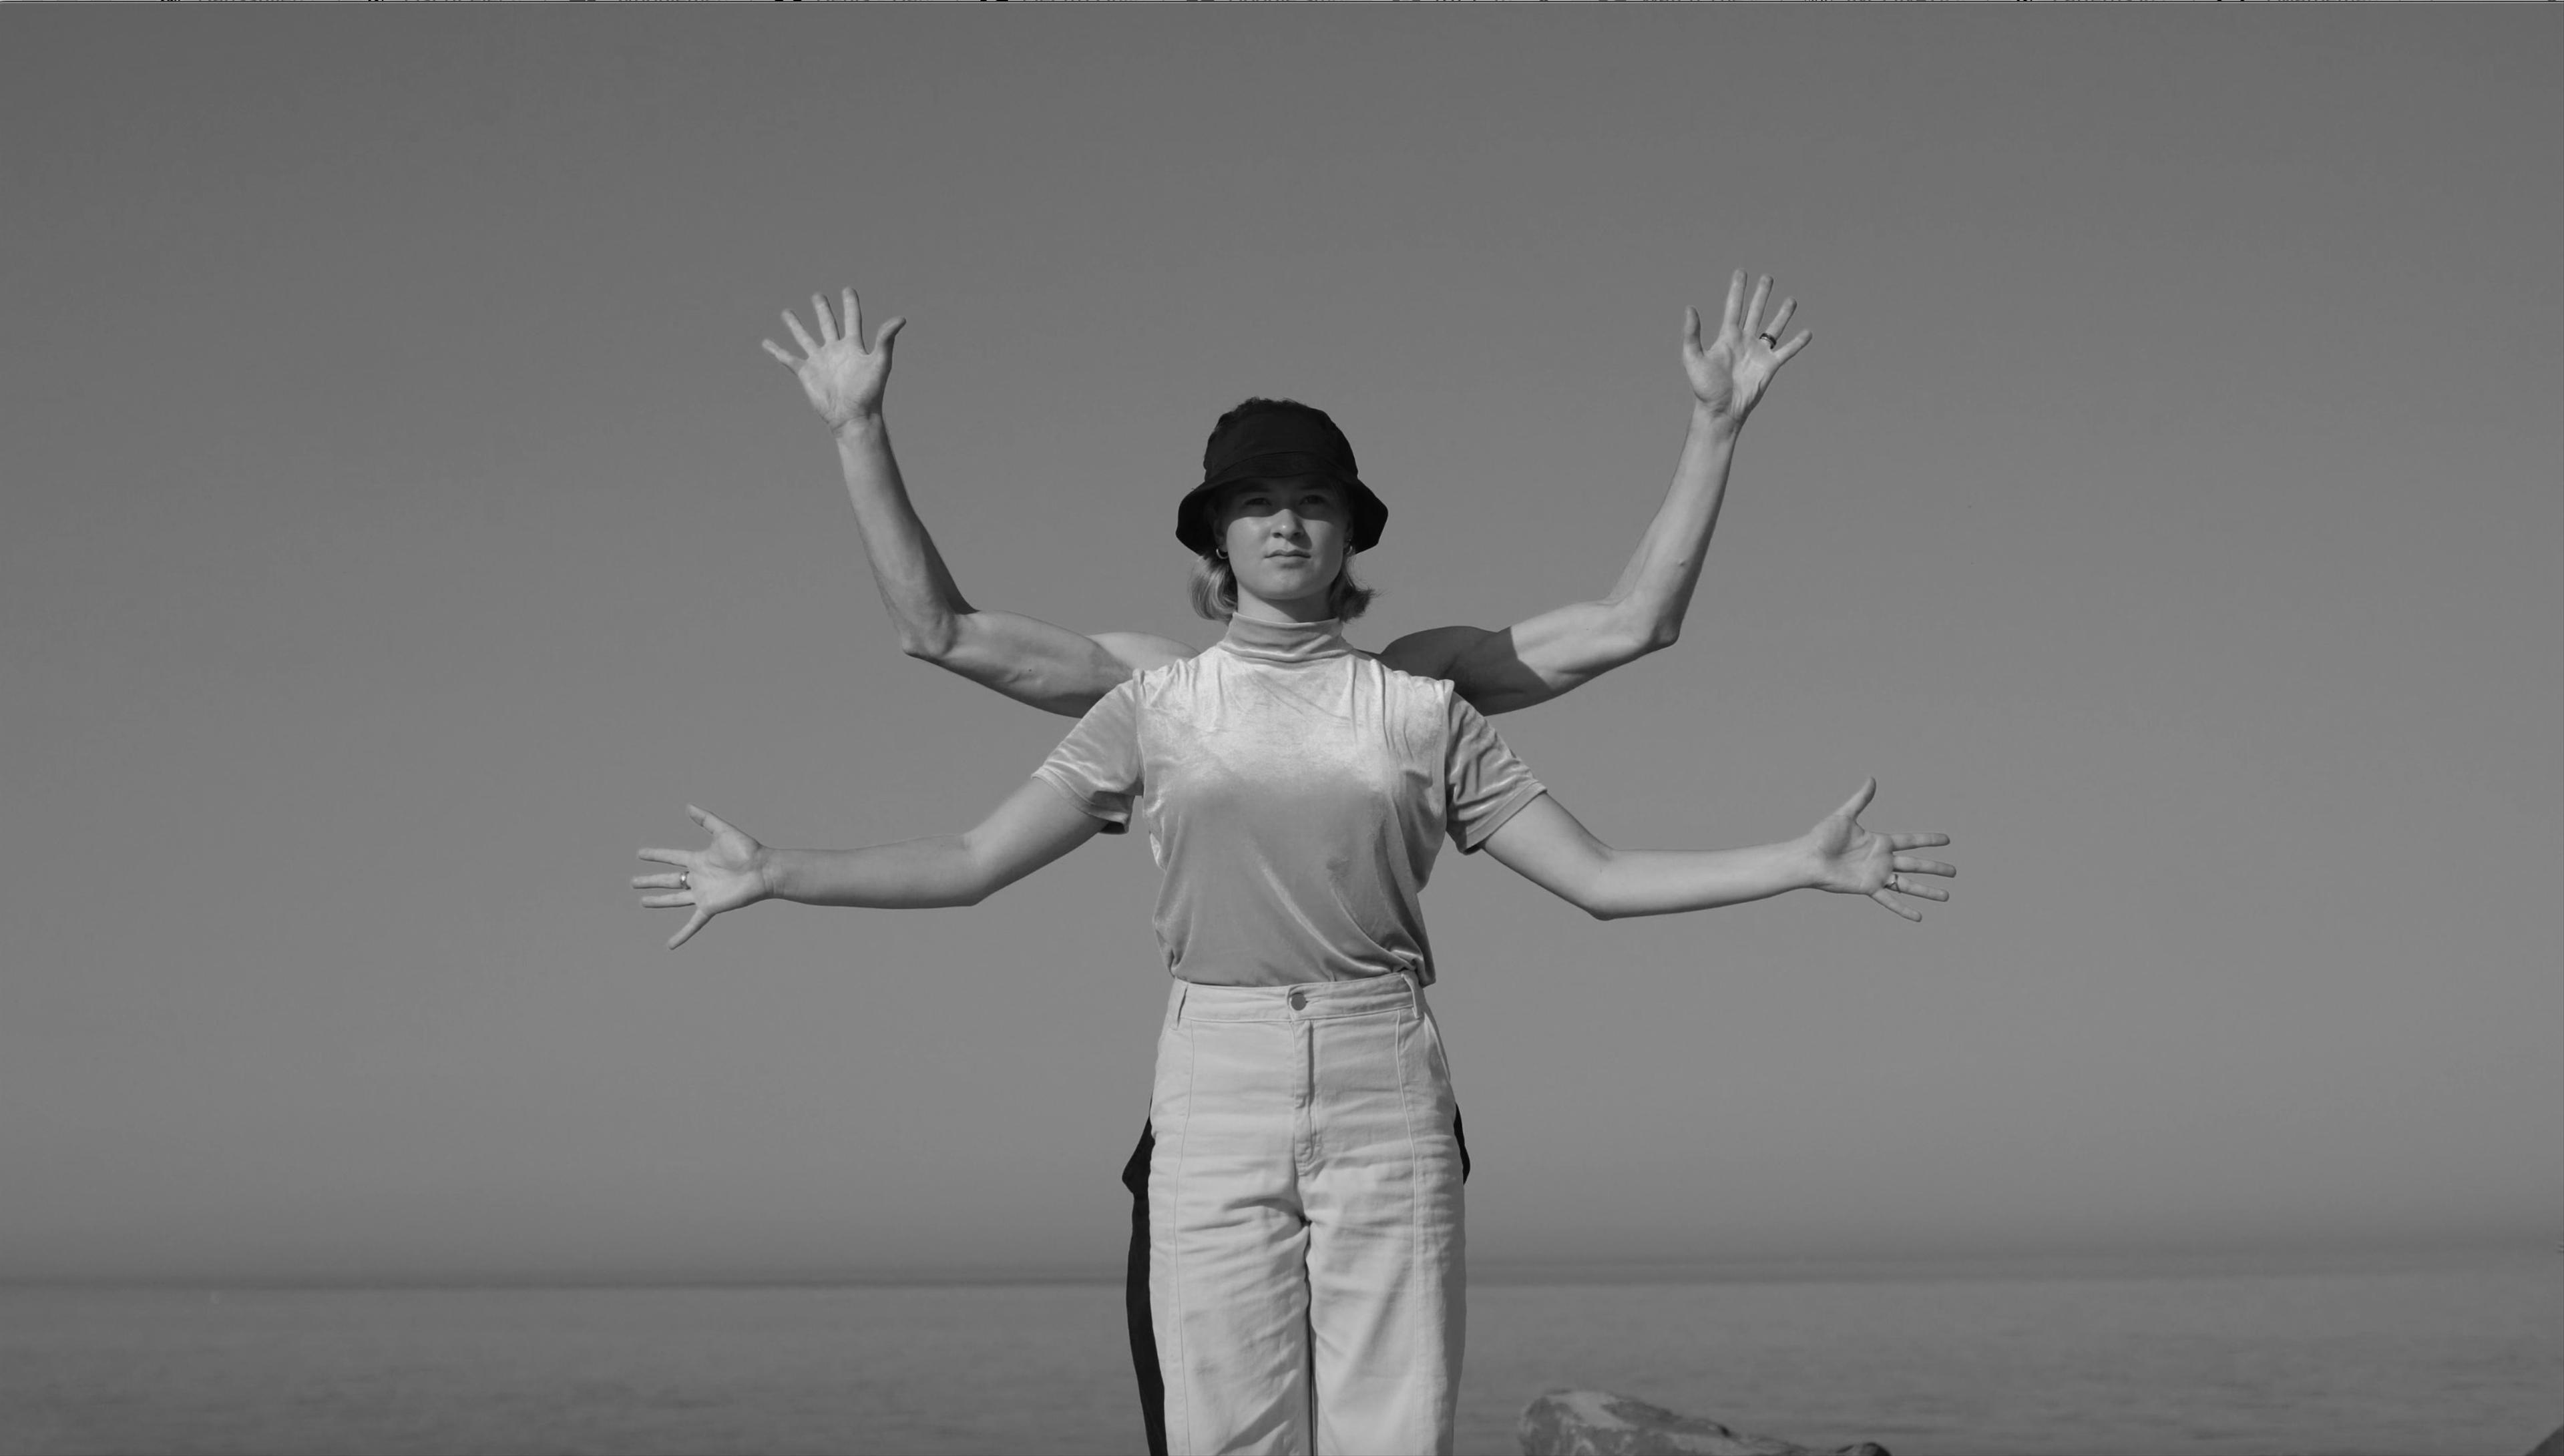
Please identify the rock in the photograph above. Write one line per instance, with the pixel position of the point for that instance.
(2552, 1447)
(1599, 1423)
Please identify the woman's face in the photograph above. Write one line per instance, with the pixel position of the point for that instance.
(1285, 537)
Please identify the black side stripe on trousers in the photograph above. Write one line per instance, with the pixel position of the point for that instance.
(1134, 1282)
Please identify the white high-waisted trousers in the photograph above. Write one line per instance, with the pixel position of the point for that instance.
(1305, 1237)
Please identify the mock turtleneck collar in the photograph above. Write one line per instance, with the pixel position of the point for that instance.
(1285, 642)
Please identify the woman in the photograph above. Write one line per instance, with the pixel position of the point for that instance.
(1304, 1196)
(1054, 668)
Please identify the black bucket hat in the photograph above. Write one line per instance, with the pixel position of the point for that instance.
(1267, 437)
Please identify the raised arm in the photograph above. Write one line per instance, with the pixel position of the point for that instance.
(1030, 661)
(1033, 827)
(1547, 846)
(1537, 659)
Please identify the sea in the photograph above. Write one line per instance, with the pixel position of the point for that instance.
(2445, 1355)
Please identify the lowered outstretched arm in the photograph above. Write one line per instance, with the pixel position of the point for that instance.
(1546, 845)
(1033, 827)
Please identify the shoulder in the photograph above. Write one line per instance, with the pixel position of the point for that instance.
(1406, 682)
(1179, 674)
(1145, 658)
(1425, 703)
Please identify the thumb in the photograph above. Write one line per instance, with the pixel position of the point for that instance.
(694, 922)
(1691, 329)
(1852, 807)
(889, 331)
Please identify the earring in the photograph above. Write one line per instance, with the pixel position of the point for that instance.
(1220, 551)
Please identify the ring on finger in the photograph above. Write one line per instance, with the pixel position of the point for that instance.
(685, 880)
(1770, 341)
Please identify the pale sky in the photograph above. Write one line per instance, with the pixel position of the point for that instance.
(404, 524)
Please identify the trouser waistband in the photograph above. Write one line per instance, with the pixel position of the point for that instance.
(1309, 1001)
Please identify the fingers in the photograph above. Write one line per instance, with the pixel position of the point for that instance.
(1906, 864)
(1852, 807)
(1752, 323)
(1779, 318)
(780, 352)
(1788, 351)
(1904, 886)
(1916, 841)
(679, 894)
(1728, 319)
(801, 336)
(845, 321)
(1891, 901)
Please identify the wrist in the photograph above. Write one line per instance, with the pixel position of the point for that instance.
(766, 872)
(1806, 864)
(1718, 426)
(860, 427)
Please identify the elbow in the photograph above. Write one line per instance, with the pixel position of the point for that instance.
(1652, 619)
(1601, 889)
(1659, 631)
(1596, 899)
(974, 889)
(1643, 630)
(961, 875)
(1617, 648)
(932, 632)
(928, 643)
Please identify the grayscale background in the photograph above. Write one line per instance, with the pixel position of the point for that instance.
(403, 525)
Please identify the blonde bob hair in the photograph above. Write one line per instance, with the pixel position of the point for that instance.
(1214, 589)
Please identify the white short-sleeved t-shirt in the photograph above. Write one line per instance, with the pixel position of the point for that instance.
(1295, 791)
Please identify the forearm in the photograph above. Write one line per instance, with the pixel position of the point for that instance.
(1654, 589)
(915, 584)
(916, 873)
(1665, 881)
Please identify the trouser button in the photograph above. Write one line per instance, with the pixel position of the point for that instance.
(1299, 1000)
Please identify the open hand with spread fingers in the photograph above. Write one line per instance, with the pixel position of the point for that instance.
(1850, 859)
(1729, 376)
(844, 380)
(723, 876)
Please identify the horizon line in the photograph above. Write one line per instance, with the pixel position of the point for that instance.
(2129, 1262)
